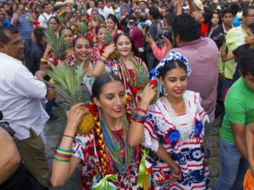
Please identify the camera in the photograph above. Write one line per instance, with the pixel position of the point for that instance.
(8, 129)
(167, 33)
(219, 39)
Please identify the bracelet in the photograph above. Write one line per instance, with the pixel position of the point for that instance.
(104, 58)
(63, 155)
(43, 60)
(64, 151)
(139, 117)
(137, 120)
(176, 173)
(101, 60)
(68, 136)
(141, 110)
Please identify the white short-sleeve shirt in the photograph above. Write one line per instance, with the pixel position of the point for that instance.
(20, 97)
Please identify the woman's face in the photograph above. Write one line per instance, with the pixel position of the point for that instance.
(82, 49)
(78, 14)
(112, 100)
(94, 15)
(165, 24)
(215, 19)
(123, 46)
(110, 24)
(249, 39)
(175, 83)
(101, 35)
(53, 25)
(68, 37)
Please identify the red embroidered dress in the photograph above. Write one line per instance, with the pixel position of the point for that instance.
(85, 148)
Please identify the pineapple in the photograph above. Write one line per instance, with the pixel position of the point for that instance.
(57, 43)
(108, 37)
(67, 82)
(142, 76)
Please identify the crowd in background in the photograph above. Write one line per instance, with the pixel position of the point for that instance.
(158, 74)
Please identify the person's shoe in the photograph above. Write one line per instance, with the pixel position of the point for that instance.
(54, 118)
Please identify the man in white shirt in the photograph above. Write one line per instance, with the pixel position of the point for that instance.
(46, 15)
(20, 101)
(105, 10)
(91, 7)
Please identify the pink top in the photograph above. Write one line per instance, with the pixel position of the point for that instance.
(203, 57)
(159, 53)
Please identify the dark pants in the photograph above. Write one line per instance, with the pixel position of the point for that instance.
(32, 153)
(27, 44)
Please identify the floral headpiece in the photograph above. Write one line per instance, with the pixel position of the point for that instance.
(173, 56)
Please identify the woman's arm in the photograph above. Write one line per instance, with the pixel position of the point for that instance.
(136, 130)
(162, 154)
(99, 67)
(61, 171)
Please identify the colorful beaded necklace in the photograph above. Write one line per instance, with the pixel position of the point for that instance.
(105, 138)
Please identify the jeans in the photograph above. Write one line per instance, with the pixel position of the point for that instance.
(226, 84)
(233, 168)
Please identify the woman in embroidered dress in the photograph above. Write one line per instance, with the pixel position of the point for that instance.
(131, 69)
(113, 25)
(108, 162)
(81, 54)
(100, 43)
(175, 121)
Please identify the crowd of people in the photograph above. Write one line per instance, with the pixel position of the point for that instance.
(141, 83)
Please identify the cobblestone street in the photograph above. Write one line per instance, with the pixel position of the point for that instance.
(54, 131)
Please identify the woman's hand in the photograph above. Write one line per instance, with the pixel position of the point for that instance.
(75, 114)
(40, 74)
(109, 50)
(148, 95)
(149, 39)
(167, 42)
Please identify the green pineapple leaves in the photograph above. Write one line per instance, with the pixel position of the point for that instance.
(67, 81)
(57, 43)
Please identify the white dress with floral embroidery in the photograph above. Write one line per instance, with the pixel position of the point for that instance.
(187, 152)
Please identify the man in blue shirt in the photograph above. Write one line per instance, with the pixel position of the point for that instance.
(3, 20)
(22, 22)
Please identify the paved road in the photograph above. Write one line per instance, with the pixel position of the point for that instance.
(54, 130)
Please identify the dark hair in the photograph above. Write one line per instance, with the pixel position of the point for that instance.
(208, 15)
(169, 18)
(246, 10)
(45, 4)
(79, 37)
(66, 28)
(246, 62)
(38, 35)
(102, 80)
(226, 11)
(114, 18)
(119, 35)
(172, 65)
(56, 19)
(154, 12)
(186, 27)
(251, 27)
(97, 28)
(5, 34)
(235, 8)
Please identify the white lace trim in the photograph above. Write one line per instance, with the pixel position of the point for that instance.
(150, 142)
